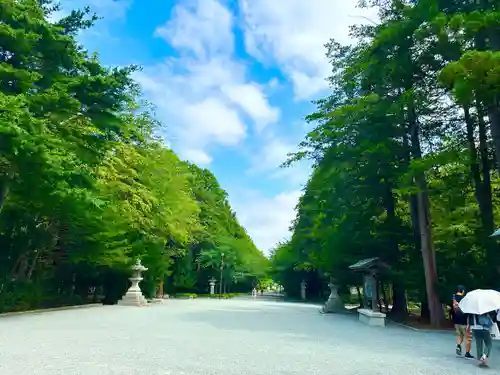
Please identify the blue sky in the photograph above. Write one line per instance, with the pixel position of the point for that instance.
(232, 81)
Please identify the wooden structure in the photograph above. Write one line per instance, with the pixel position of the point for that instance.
(371, 268)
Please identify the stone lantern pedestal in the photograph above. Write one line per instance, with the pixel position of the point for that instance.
(334, 303)
(134, 296)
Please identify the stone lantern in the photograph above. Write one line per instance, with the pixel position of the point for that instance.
(334, 303)
(134, 296)
(211, 282)
(303, 287)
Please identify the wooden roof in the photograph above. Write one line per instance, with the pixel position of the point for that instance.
(369, 263)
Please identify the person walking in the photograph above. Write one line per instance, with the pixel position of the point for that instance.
(481, 326)
(460, 321)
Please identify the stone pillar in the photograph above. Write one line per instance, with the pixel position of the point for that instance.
(303, 286)
(134, 296)
(334, 303)
(212, 286)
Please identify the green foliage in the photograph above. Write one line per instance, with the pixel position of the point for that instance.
(214, 296)
(220, 296)
(186, 295)
(86, 187)
(408, 135)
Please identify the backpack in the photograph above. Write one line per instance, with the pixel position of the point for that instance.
(457, 310)
(485, 321)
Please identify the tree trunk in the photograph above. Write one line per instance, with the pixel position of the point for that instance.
(424, 220)
(160, 290)
(425, 313)
(486, 195)
(471, 141)
(493, 112)
(412, 201)
(399, 306)
(21, 270)
(95, 295)
(360, 297)
(15, 266)
(494, 115)
(384, 298)
(482, 183)
(492, 34)
(33, 265)
(4, 193)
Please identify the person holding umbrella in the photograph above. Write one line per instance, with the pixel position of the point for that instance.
(480, 304)
(481, 326)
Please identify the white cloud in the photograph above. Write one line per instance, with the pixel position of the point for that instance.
(196, 116)
(267, 220)
(271, 154)
(273, 83)
(108, 9)
(199, 157)
(250, 98)
(292, 33)
(296, 175)
(203, 27)
(216, 120)
(203, 93)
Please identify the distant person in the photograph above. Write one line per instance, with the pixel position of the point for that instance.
(460, 321)
(254, 292)
(481, 326)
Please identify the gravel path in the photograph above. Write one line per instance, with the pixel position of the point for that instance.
(236, 337)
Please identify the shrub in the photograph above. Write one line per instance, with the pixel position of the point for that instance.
(18, 296)
(186, 295)
(221, 296)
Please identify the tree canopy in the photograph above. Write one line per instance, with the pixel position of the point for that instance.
(406, 152)
(86, 186)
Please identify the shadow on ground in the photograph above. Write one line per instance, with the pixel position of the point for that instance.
(294, 321)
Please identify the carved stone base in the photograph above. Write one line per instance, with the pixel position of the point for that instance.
(133, 298)
(333, 305)
(372, 318)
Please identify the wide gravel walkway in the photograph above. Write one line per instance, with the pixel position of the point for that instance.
(236, 337)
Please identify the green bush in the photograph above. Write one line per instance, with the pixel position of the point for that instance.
(350, 299)
(185, 295)
(222, 296)
(31, 296)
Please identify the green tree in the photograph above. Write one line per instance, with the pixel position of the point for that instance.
(403, 137)
(86, 187)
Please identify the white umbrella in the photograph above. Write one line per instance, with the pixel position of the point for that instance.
(480, 301)
(496, 233)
